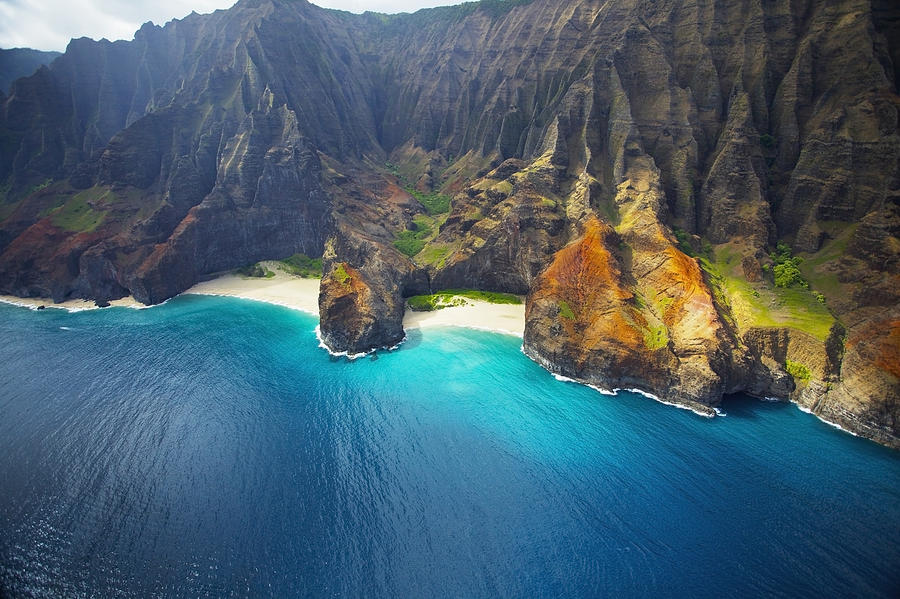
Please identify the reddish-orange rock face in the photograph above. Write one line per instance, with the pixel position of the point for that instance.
(584, 280)
(590, 318)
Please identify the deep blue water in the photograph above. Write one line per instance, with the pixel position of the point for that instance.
(208, 447)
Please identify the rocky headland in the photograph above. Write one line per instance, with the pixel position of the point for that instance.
(697, 198)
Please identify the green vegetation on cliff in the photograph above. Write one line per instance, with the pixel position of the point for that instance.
(785, 270)
(79, 215)
(341, 274)
(256, 271)
(797, 370)
(656, 337)
(434, 202)
(302, 265)
(454, 297)
(412, 241)
(764, 304)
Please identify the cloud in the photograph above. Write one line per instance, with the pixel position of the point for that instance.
(50, 24)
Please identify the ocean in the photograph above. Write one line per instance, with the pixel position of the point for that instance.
(209, 447)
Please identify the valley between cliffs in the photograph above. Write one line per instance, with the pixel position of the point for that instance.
(697, 199)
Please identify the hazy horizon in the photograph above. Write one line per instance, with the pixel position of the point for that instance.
(50, 24)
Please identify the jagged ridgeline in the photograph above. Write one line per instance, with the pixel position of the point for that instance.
(698, 198)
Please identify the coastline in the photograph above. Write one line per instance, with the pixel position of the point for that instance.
(301, 294)
(297, 293)
(72, 305)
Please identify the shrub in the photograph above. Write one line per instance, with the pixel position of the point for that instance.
(788, 275)
(454, 297)
(408, 243)
(797, 370)
(411, 241)
(341, 274)
(684, 242)
(257, 271)
(422, 303)
(786, 271)
(303, 266)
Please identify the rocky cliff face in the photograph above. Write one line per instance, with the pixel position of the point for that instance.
(631, 166)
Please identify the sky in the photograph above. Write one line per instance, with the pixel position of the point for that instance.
(50, 24)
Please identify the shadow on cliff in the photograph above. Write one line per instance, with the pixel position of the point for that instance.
(746, 407)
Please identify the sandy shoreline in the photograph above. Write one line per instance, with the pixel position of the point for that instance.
(500, 318)
(282, 289)
(303, 294)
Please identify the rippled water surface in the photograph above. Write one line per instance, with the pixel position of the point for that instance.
(209, 448)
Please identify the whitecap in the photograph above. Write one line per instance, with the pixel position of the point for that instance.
(601, 390)
(348, 355)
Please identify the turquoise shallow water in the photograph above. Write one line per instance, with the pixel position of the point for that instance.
(208, 447)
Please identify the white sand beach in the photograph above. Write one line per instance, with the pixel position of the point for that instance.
(283, 289)
(501, 318)
(303, 294)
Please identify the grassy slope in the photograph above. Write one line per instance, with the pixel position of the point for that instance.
(450, 297)
(762, 304)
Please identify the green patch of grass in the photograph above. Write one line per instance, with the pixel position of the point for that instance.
(421, 303)
(435, 255)
(77, 215)
(437, 301)
(457, 297)
(425, 225)
(412, 241)
(408, 243)
(663, 302)
(493, 297)
(761, 304)
(565, 311)
(504, 187)
(302, 265)
(656, 337)
(341, 274)
(684, 242)
(434, 202)
(797, 370)
(815, 267)
(53, 203)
